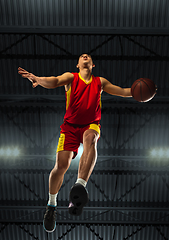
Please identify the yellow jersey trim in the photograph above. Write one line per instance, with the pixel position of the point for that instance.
(100, 101)
(85, 80)
(68, 97)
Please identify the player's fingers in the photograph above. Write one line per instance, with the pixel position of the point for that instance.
(23, 72)
(21, 69)
(28, 75)
(34, 84)
(24, 75)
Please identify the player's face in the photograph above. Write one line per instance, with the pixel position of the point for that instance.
(85, 61)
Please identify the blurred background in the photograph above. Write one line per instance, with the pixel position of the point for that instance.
(129, 187)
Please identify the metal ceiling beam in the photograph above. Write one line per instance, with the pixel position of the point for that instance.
(19, 100)
(102, 158)
(135, 209)
(94, 222)
(99, 170)
(63, 217)
(97, 205)
(14, 44)
(75, 57)
(85, 30)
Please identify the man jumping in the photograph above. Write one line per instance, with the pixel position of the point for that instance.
(81, 125)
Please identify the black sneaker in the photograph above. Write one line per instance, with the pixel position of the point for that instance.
(49, 222)
(78, 198)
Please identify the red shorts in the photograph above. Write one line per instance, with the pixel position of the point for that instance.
(72, 135)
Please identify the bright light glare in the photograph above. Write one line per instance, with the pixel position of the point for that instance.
(159, 153)
(75, 162)
(80, 151)
(9, 152)
(16, 152)
(154, 153)
(2, 152)
(167, 153)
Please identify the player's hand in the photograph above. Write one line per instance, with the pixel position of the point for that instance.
(32, 78)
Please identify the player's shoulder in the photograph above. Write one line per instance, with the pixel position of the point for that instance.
(103, 81)
(74, 75)
(68, 74)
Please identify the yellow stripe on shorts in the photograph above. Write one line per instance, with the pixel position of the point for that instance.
(95, 127)
(61, 141)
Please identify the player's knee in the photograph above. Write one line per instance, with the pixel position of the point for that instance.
(61, 165)
(60, 168)
(91, 138)
(63, 160)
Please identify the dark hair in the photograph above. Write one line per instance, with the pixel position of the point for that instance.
(85, 53)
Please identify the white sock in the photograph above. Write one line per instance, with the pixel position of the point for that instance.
(82, 182)
(52, 200)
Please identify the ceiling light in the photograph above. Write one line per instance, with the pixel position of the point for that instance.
(9, 152)
(159, 153)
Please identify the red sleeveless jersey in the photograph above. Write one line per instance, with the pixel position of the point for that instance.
(83, 101)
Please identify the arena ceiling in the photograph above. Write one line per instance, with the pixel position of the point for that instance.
(129, 189)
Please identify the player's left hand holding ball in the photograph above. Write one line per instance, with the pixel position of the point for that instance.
(143, 89)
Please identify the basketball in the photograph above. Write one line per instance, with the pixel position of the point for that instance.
(143, 89)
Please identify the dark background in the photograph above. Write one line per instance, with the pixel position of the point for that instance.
(129, 189)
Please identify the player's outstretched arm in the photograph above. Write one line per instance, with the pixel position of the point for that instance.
(47, 82)
(114, 90)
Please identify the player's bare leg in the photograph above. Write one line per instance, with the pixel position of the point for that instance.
(89, 156)
(63, 160)
(78, 195)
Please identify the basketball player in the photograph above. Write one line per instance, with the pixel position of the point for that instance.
(81, 125)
